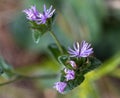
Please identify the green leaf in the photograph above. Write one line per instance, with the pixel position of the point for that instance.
(63, 60)
(54, 50)
(84, 65)
(36, 36)
(5, 69)
(62, 78)
(74, 83)
(43, 28)
(91, 64)
(71, 84)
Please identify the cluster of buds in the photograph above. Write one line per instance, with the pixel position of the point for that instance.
(69, 74)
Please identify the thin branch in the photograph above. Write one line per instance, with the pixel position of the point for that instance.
(18, 77)
(50, 76)
(57, 41)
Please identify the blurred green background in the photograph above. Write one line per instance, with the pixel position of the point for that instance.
(97, 21)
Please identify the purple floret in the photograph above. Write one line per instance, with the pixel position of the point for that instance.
(70, 74)
(47, 13)
(32, 13)
(80, 50)
(60, 86)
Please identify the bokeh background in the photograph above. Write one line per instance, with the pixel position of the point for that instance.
(97, 21)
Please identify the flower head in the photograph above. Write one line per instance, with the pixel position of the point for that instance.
(39, 18)
(70, 74)
(47, 13)
(80, 50)
(32, 13)
(60, 86)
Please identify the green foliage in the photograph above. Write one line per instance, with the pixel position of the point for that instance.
(74, 83)
(88, 88)
(36, 36)
(53, 48)
(5, 69)
(40, 29)
(63, 60)
(92, 64)
(84, 65)
(43, 28)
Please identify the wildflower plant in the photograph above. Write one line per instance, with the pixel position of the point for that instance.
(41, 22)
(76, 61)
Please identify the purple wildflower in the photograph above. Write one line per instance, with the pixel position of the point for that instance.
(70, 74)
(47, 13)
(39, 18)
(80, 50)
(32, 13)
(60, 86)
(73, 64)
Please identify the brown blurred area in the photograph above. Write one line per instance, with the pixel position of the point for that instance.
(113, 4)
(11, 52)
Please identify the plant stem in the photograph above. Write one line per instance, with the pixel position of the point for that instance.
(19, 76)
(8, 82)
(57, 41)
(47, 76)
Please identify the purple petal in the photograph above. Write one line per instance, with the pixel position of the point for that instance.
(60, 86)
(82, 50)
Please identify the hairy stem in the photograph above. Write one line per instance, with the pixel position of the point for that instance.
(57, 41)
